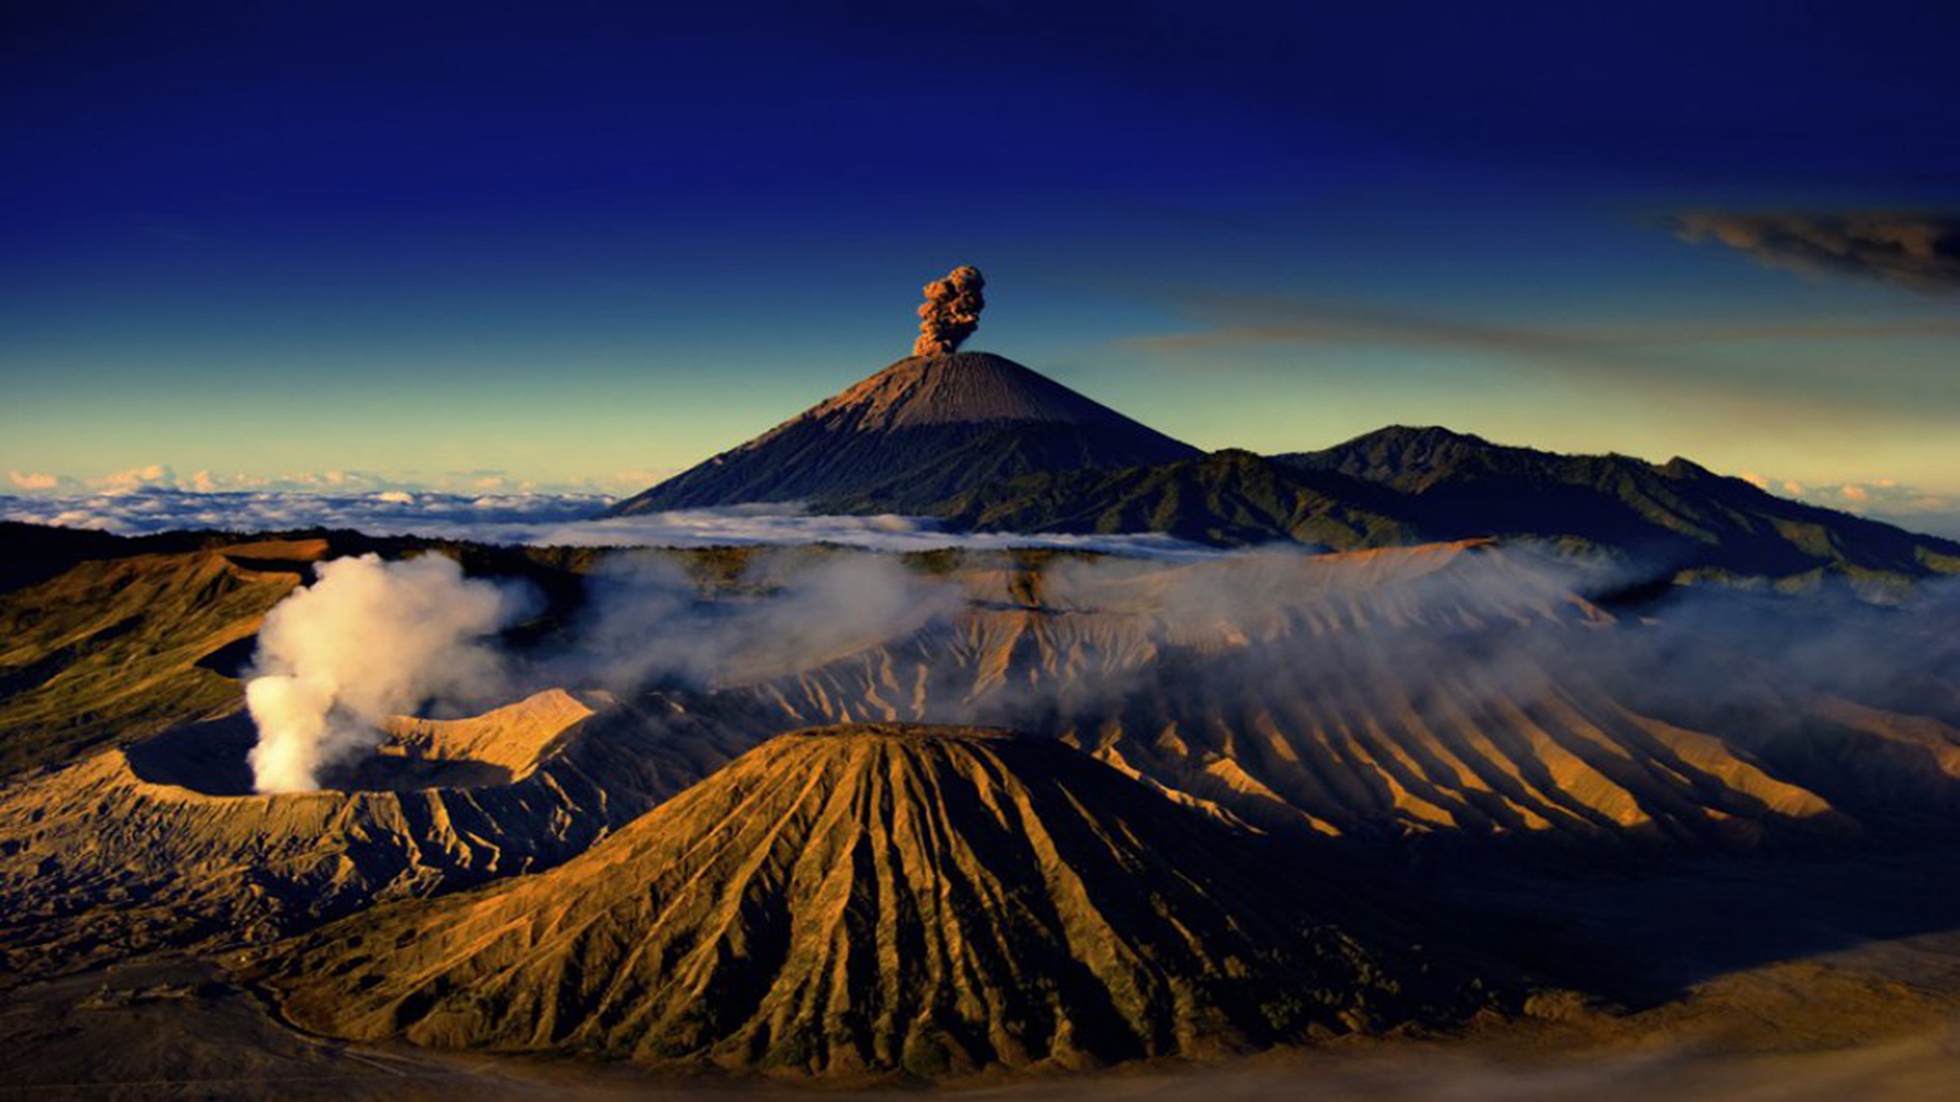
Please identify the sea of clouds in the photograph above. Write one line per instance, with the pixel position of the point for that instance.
(539, 519)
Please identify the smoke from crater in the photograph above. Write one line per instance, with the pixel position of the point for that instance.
(367, 640)
(951, 311)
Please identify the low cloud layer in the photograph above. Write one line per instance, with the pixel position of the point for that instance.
(384, 512)
(1910, 507)
(1915, 250)
(565, 519)
(534, 519)
(161, 476)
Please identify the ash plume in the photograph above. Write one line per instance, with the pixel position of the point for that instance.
(951, 312)
(368, 639)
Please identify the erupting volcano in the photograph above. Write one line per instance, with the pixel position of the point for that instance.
(926, 429)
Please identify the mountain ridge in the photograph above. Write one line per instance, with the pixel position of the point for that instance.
(1458, 485)
(986, 444)
(1401, 487)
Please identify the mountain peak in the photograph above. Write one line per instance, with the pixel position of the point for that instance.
(911, 733)
(920, 431)
(957, 388)
(1410, 434)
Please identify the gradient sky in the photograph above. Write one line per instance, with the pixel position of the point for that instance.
(577, 244)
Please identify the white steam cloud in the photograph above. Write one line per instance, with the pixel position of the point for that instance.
(814, 636)
(367, 640)
(646, 623)
(373, 639)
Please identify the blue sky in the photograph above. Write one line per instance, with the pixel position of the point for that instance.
(593, 243)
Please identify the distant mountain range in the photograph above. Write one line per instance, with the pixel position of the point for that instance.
(990, 445)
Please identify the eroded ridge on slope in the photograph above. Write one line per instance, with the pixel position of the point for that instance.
(1460, 690)
(884, 899)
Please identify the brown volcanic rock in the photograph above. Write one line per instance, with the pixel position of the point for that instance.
(881, 899)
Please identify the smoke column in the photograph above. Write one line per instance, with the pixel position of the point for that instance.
(950, 313)
(367, 640)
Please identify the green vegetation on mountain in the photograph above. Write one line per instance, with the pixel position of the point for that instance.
(1453, 486)
(1228, 498)
(1404, 486)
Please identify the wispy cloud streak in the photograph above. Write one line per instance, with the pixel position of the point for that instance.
(1916, 250)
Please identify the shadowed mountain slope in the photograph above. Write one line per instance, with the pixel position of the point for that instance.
(1404, 486)
(116, 649)
(877, 899)
(990, 445)
(1455, 486)
(1228, 498)
(919, 431)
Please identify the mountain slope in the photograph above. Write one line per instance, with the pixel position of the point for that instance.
(873, 446)
(1227, 498)
(165, 845)
(882, 899)
(1458, 692)
(114, 649)
(1456, 486)
(1402, 486)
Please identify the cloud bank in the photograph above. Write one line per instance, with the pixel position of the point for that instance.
(162, 476)
(534, 519)
(1916, 250)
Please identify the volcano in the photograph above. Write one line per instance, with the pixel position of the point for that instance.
(921, 431)
(885, 898)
